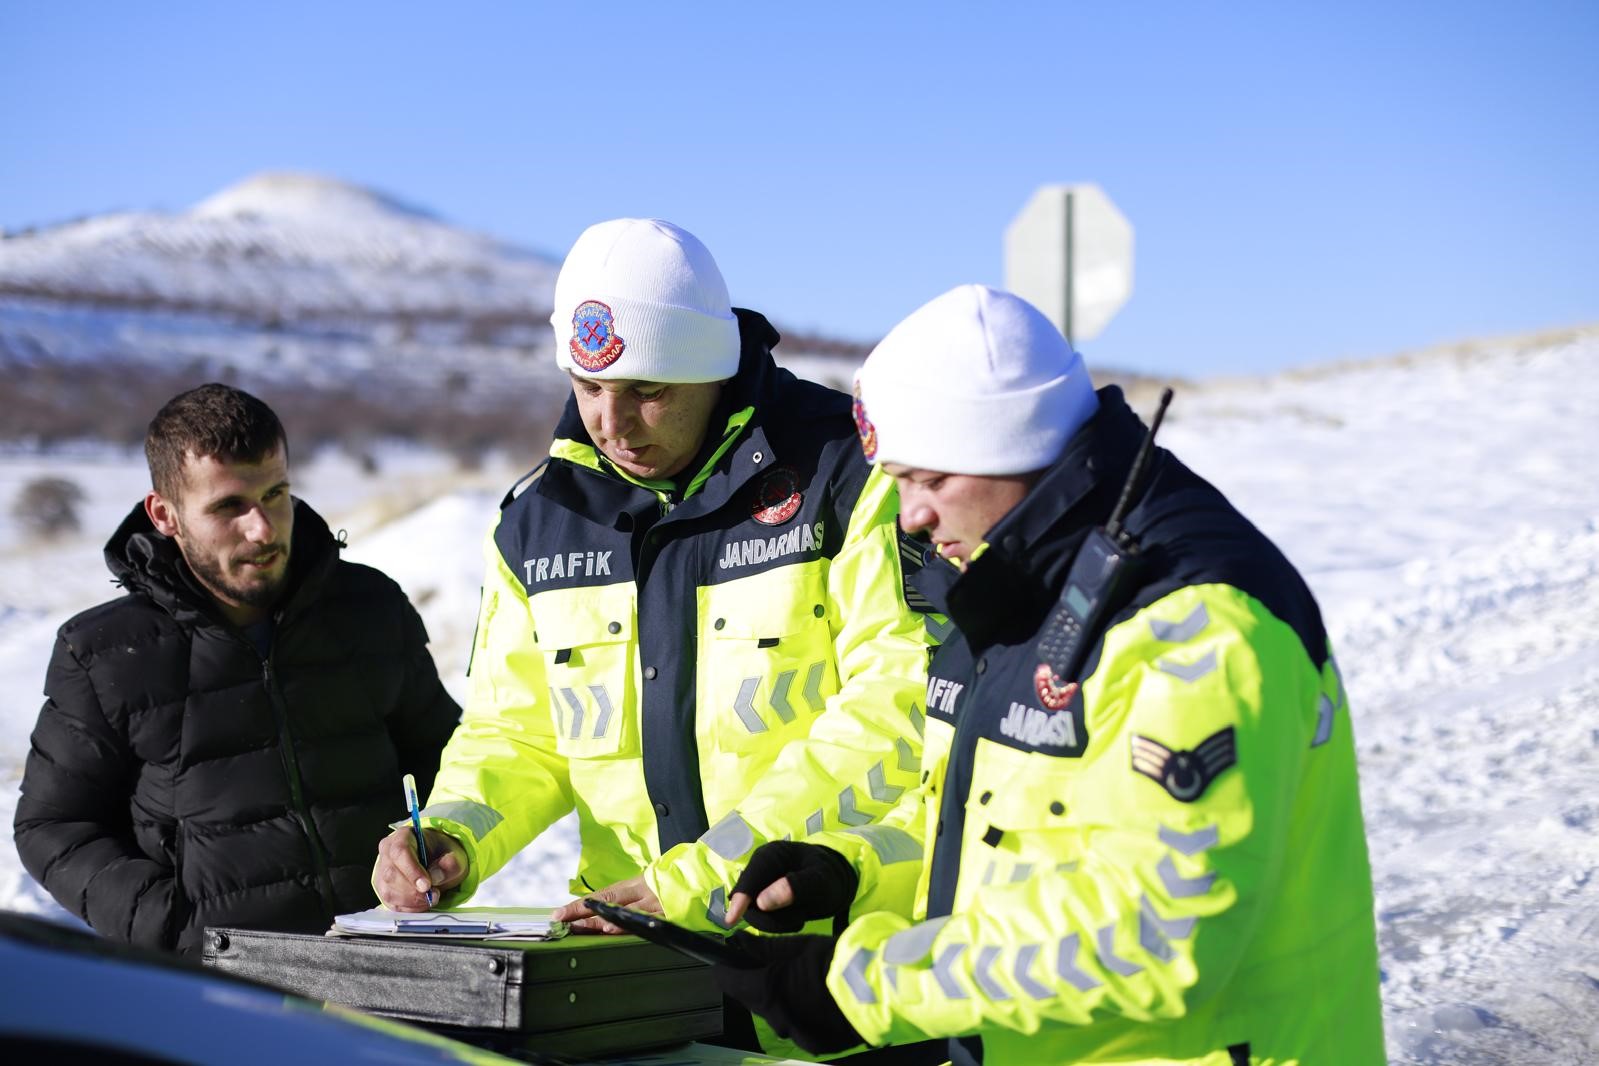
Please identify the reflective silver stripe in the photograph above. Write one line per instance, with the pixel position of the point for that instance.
(730, 838)
(1150, 940)
(1024, 962)
(941, 971)
(892, 845)
(1178, 886)
(716, 910)
(1023, 871)
(891, 975)
(744, 705)
(907, 759)
(991, 988)
(813, 823)
(1189, 672)
(577, 712)
(813, 687)
(1179, 632)
(779, 696)
(918, 720)
(555, 707)
(1170, 928)
(848, 813)
(910, 946)
(855, 976)
(602, 700)
(1190, 843)
(1066, 966)
(988, 874)
(1106, 950)
(1066, 867)
(939, 630)
(478, 819)
(1324, 721)
(877, 784)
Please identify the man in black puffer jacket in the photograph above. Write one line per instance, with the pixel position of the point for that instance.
(224, 744)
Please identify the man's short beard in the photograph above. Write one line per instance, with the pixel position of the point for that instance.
(260, 596)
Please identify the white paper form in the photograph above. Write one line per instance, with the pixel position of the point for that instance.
(467, 923)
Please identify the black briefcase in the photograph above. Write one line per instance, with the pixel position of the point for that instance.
(577, 996)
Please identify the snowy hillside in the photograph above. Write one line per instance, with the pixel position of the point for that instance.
(1443, 509)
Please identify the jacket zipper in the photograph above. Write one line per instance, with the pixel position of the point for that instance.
(291, 771)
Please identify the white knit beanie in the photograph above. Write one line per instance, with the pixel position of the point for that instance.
(642, 299)
(977, 381)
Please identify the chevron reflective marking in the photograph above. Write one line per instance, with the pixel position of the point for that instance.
(1105, 948)
(555, 706)
(1180, 632)
(988, 874)
(1190, 843)
(1178, 886)
(981, 973)
(1023, 871)
(848, 813)
(1150, 940)
(1170, 928)
(1343, 693)
(855, 976)
(906, 758)
(1325, 709)
(476, 817)
(602, 700)
(731, 838)
(716, 909)
(1189, 672)
(814, 822)
(940, 630)
(577, 712)
(1066, 966)
(779, 697)
(942, 971)
(891, 975)
(918, 720)
(910, 946)
(892, 845)
(1024, 962)
(744, 705)
(813, 687)
(877, 784)
(1066, 867)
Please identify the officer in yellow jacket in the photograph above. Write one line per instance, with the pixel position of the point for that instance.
(694, 626)
(1139, 839)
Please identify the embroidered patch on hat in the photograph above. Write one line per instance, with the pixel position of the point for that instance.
(777, 497)
(1054, 692)
(864, 427)
(1185, 774)
(594, 342)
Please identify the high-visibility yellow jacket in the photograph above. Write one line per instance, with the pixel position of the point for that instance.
(695, 671)
(1160, 860)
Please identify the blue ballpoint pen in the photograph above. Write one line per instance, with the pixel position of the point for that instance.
(416, 827)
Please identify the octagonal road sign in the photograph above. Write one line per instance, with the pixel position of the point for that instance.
(1069, 252)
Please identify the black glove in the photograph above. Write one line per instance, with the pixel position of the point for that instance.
(790, 991)
(823, 881)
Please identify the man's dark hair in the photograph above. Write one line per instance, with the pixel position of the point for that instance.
(216, 421)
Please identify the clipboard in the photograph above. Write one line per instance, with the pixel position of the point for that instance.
(472, 923)
(715, 950)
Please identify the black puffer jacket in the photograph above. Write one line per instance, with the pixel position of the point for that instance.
(178, 780)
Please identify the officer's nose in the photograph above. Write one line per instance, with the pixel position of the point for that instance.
(615, 415)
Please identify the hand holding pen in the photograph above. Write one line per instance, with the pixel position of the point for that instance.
(416, 866)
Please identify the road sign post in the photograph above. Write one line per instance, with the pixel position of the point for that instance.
(1069, 252)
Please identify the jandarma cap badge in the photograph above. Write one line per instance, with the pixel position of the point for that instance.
(594, 342)
(864, 427)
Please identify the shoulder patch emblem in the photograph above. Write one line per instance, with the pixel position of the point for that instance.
(594, 342)
(1052, 691)
(864, 427)
(1185, 774)
(777, 497)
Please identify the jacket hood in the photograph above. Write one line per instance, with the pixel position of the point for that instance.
(141, 559)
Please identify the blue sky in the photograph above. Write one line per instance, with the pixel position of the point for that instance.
(1306, 183)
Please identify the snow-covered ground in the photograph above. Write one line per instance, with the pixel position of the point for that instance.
(1442, 507)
